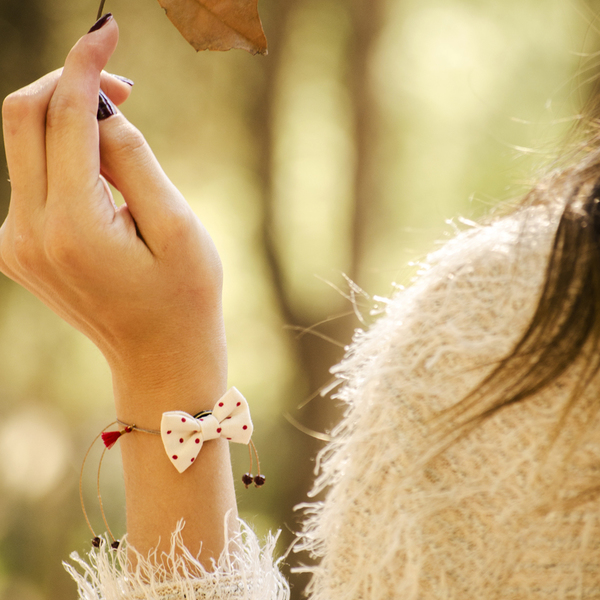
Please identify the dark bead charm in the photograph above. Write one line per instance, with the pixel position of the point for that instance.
(96, 542)
(247, 479)
(259, 480)
(115, 544)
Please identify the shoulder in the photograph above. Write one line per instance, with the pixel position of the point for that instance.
(469, 304)
(434, 343)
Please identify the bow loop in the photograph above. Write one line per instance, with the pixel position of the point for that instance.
(183, 435)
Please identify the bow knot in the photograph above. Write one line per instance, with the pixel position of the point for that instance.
(183, 435)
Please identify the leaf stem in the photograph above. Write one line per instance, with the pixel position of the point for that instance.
(100, 9)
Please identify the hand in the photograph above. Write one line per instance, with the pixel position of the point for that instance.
(142, 281)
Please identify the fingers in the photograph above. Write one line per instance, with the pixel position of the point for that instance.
(130, 165)
(71, 126)
(116, 89)
(24, 125)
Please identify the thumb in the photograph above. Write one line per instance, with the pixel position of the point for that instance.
(130, 165)
(71, 125)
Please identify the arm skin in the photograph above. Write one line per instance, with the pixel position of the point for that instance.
(143, 281)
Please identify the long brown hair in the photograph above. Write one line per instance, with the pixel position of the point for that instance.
(565, 327)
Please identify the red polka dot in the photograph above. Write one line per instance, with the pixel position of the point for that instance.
(238, 403)
(192, 460)
(182, 419)
(227, 418)
(229, 439)
(181, 440)
(197, 441)
(219, 430)
(220, 404)
(168, 432)
(245, 427)
(175, 457)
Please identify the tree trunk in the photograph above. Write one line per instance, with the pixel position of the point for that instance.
(314, 353)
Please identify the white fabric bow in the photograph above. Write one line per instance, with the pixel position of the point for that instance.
(183, 435)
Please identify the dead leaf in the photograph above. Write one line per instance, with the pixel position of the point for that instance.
(218, 24)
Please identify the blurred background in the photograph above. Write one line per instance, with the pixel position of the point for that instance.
(325, 171)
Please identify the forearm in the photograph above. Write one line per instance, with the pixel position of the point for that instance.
(157, 495)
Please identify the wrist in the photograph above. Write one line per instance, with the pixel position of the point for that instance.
(146, 387)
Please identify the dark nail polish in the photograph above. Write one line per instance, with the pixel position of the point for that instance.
(123, 79)
(101, 22)
(105, 107)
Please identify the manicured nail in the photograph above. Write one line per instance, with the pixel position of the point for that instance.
(105, 107)
(123, 79)
(101, 22)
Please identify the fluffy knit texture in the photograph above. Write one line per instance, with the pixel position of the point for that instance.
(246, 572)
(489, 516)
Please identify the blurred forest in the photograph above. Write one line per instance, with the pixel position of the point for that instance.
(329, 167)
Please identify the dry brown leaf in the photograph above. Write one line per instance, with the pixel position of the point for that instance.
(218, 24)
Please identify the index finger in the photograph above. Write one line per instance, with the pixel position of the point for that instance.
(72, 137)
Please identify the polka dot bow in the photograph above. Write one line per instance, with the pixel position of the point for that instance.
(183, 435)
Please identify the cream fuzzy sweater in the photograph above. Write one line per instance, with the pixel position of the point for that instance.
(489, 517)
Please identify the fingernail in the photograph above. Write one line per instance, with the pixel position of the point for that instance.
(123, 79)
(101, 22)
(105, 107)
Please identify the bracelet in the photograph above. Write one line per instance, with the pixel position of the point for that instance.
(183, 436)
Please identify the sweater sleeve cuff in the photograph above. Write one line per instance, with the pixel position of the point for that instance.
(246, 571)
